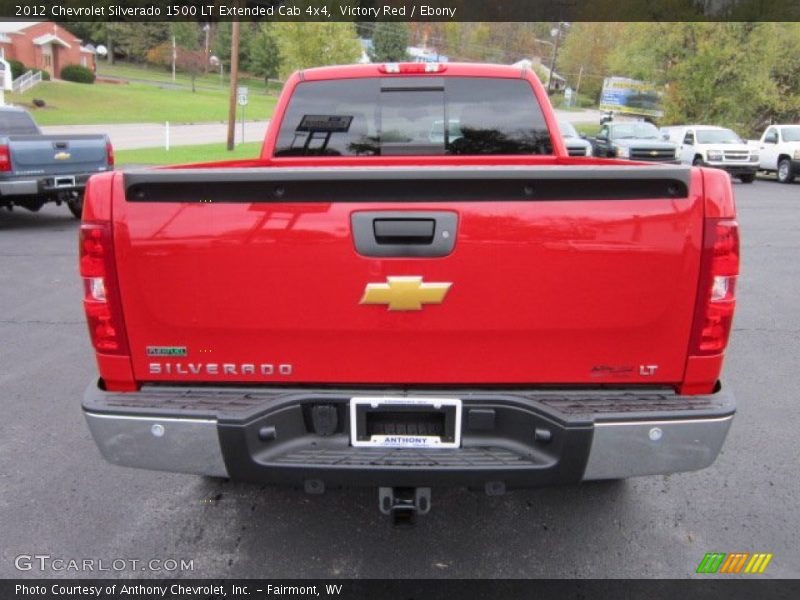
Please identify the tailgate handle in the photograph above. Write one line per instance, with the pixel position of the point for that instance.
(404, 231)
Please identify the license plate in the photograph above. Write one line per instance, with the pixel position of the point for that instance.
(389, 422)
(64, 182)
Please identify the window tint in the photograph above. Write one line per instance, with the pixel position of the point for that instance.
(635, 130)
(413, 116)
(717, 136)
(14, 122)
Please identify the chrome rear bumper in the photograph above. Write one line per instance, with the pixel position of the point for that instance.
(588, 436)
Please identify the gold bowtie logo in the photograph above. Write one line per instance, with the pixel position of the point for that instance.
(62, 155)
(405, 293)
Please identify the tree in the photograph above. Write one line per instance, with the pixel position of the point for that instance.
(186, 34)
(221, 46)
(737, 74)
(390, 40)
(133, 40)
(304, 45)
(263, 56)
(192, 62)
(585, 54)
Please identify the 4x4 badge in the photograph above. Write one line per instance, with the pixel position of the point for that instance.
(405, 293)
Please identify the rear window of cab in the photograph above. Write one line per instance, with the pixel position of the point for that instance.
(413, 116)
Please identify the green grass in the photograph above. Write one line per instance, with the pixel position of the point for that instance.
(186, 154)
(589, 129)
(158, 74)
(100, 103)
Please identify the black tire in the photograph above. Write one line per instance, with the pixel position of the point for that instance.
(75, 206)
(750, 178)
(698, 161)
(785, 174)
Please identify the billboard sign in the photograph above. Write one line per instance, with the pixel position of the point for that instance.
(631, 97)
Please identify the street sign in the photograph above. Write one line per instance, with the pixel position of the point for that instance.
(241, 94)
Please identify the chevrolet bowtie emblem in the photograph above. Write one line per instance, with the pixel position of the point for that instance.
(62, 155)
(405, 293)
(653, 152)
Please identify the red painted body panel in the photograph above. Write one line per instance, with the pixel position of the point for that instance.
(562, 293)
(543, 292)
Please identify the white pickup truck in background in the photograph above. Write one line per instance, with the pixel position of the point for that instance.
(779, 151)
(718, 147)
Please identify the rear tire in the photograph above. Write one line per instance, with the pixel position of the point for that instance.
(785, 171)
(747, 178)
(75, 206)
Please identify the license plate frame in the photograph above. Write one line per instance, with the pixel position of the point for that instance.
(451, 408)
(64, 181)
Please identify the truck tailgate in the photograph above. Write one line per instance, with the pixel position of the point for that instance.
(567, 275)
(56, 154)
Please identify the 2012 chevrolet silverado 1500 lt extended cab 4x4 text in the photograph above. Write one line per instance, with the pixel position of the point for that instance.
(371, 303)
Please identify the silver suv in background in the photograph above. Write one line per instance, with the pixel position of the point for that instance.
(575, 143)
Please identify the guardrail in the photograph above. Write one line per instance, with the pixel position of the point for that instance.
(26, 81)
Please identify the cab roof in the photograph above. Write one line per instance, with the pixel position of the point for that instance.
(453, 69)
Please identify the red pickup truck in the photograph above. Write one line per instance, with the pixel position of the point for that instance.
(414, 285)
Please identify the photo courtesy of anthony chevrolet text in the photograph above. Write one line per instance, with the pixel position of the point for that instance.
(399, 299)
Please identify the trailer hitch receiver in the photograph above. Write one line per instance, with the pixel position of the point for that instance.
(403, 504)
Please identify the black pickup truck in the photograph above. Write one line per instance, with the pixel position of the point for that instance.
(36, 168)
(634, 140)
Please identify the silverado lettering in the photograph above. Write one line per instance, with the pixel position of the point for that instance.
(470, 304)
(156, 368)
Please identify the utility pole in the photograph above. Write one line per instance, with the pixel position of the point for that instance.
(233, 83)
(174, 57)
(206, 29)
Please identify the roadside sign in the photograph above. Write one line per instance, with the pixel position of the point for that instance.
(241, 94)
(632, 97)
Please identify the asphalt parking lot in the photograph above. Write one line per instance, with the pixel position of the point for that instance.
(58, 497)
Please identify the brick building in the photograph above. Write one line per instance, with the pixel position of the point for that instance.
(43, 45)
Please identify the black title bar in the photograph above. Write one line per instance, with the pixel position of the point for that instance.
(387, 589)
(66, 11)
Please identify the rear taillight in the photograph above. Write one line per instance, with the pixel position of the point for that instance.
(717, 300)
(5, 158)
(109, 153)
(100, 294)
(412, 68)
